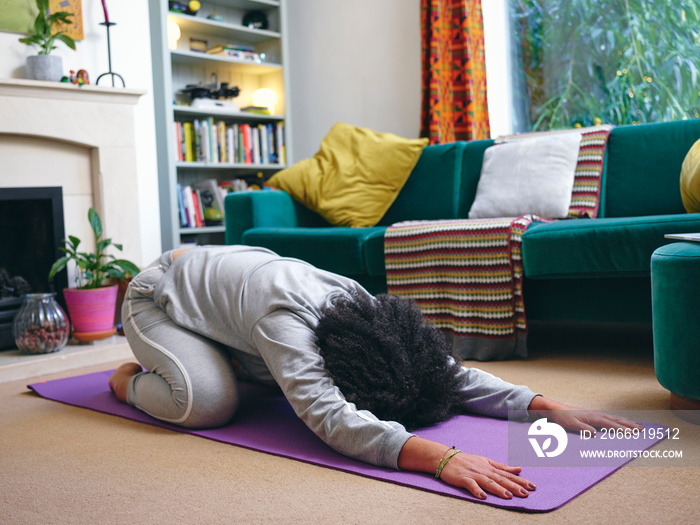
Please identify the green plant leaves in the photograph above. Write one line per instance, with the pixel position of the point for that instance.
(94, 268)
(43, 27)
(66, 40)
(59, 265)
(95, 222)
(127, 266)
(623, 61)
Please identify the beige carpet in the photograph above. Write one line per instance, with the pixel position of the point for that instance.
(61, 464)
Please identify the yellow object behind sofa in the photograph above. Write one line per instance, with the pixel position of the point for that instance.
(690, 179)
(354, 177)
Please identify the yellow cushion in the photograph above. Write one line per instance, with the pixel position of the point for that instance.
(690, 179)
(354, 177)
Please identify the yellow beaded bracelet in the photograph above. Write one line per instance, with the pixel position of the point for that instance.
(443, 462)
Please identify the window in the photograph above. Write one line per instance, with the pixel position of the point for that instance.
(582, 62)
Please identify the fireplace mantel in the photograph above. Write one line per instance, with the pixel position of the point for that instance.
(40, 121)
(66, 91)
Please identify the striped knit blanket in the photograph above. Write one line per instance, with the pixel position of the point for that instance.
(466, 274)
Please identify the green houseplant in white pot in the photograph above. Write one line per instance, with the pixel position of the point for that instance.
(92, 305)
(45, 66)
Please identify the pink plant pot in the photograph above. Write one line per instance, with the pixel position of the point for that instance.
(92, 311)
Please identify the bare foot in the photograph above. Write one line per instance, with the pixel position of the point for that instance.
(119, 380)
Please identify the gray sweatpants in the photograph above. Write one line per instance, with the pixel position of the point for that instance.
(189, 379)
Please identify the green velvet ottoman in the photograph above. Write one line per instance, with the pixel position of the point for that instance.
(675, 294)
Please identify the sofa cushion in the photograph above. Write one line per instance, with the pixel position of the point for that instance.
(433, 189)
(335, 249)
(354, 177)
(533, 176)
(643, 167)
(610, 247)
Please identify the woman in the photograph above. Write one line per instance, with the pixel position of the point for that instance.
(356, 369)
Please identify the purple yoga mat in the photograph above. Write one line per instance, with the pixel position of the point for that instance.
(265, 422)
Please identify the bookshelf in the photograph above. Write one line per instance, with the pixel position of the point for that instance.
(212, 147)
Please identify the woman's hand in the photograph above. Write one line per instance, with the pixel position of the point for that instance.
(577, 419)
(477, 474)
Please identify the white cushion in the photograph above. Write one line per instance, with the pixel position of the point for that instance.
(532, 176)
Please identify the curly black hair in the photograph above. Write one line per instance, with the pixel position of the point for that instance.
(386, 358)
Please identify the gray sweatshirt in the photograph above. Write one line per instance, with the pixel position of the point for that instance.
(265, 308)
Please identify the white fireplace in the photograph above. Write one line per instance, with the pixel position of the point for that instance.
(83, 140)
(79, 138)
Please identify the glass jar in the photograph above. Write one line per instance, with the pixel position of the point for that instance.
(41, 325)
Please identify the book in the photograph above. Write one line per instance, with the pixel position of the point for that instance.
(189, 143)
(247, 144)
(204, 148)
(197, 141)
(236, 54)
(692, 237)
(255, 136)
(178, 141)
(195, 206)
(218, 48)
(264, 144)
(181, 207)
(221, 140)
(189, 206)
(272, 144)
(280, 144)
(230, 145)
(213, 141)
(209, 201)
(258, 110)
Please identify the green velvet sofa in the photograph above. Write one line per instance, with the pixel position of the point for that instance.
(592, 270)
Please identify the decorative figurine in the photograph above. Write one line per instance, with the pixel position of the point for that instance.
(82, 77)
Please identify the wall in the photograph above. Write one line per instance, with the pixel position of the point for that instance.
(131, 57)
(357, 62)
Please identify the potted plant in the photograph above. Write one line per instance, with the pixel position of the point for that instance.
(92, 305)
(46, 66)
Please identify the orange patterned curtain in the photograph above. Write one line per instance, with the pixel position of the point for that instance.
(454, 71)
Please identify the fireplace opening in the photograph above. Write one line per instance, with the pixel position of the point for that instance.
(32, 229)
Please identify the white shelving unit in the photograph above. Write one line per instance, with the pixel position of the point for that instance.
(174, 69)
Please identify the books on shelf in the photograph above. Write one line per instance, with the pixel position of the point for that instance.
(201, 203)
(216, 142)
(245, 53)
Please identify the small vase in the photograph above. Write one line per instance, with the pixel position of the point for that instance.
(45, 67)
(40, 326)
